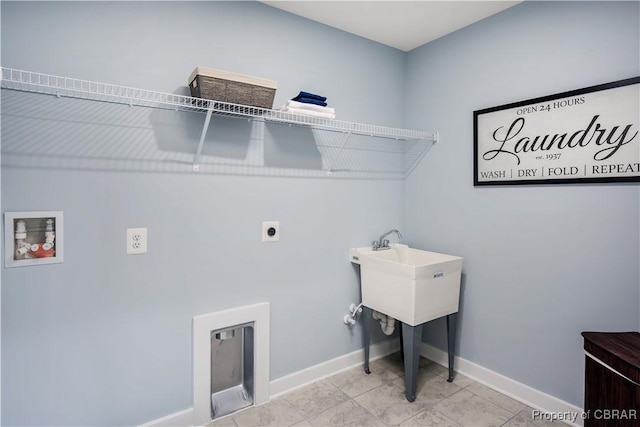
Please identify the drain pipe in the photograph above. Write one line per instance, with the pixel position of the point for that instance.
(387, 323)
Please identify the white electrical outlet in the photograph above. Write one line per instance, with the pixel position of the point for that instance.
(270, 231)
(136, 241)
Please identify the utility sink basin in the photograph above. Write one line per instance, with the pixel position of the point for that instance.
(411, 285)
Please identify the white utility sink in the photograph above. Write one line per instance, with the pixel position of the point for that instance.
(411, 285)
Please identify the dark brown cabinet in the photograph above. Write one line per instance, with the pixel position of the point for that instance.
(612, 379)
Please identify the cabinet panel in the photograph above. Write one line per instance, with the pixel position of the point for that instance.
(612, 371)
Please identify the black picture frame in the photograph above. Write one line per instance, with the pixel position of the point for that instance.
(552, 148)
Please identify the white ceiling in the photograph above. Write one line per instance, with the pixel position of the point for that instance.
(404, 25)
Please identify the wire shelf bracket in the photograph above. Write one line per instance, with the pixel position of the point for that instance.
(203, 135)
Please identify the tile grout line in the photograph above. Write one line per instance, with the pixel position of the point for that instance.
(487, 400)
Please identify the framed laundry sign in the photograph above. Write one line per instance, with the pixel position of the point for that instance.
(587, 135)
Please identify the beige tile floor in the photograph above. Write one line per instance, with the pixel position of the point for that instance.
(353, 398)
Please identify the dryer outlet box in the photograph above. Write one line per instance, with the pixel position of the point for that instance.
(270, 231)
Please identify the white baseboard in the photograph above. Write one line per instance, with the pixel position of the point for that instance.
(330, 367)
(523, 393)
(181, 418)
(536, 399)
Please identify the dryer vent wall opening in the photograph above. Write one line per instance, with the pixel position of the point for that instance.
(232, 369)
(230, 361)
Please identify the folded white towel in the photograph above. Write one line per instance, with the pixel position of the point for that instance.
(313, 107)
(308, 112)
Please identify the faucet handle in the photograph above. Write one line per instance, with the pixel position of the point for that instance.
(375, 245)
(385, 244)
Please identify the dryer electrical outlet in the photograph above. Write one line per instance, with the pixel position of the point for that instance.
(270, 231)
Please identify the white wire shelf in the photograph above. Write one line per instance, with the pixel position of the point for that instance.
(29, 81)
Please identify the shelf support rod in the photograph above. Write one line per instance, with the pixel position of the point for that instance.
(196, 164)
(344, 142)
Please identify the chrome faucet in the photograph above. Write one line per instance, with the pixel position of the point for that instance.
(382, 243)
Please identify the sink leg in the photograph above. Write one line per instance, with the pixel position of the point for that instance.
(451, 341)
(412, 337)
(367, 315)
(401, 344)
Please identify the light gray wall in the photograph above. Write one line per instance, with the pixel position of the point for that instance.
(105, 331)
(105, 338)
(542, 263)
